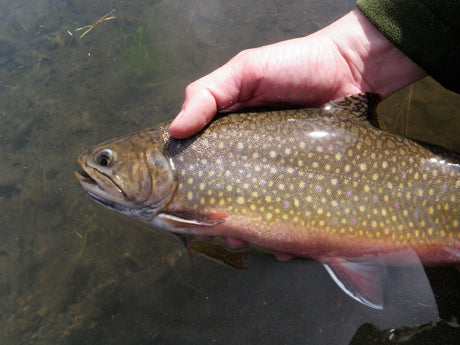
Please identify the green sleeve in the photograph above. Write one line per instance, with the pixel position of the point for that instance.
(426, 31)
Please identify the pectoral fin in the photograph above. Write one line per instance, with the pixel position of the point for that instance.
(192, 218)
(360, 280)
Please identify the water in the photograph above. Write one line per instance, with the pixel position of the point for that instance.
(72, 272)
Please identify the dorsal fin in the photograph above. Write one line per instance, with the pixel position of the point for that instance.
(359, 106)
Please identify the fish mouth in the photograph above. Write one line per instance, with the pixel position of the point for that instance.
(84, 177)
(99, 186)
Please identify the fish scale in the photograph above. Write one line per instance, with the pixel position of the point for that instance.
(322, 183)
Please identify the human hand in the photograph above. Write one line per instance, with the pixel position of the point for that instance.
(349, 56)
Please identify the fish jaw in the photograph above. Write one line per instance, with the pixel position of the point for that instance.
(92, 183)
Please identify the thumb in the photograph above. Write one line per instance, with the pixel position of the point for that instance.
(198, 109)
(204, 97)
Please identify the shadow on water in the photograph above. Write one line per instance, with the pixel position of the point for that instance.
(72, 272)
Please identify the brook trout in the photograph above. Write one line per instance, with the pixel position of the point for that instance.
(322, 183)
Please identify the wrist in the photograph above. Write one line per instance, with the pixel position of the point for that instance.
(375, 64)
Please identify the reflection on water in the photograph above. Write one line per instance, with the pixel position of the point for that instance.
(72, 272)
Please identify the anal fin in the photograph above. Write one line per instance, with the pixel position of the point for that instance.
(361, 280)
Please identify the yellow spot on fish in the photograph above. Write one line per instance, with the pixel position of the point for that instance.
(430, 210)
(268, 198)
(363, 166)
(202, 186)
(190, 196)
(269, 216)
(347, 168)
(338, 156)
(240, 200)
(272, 154)
(229, 188)
(315, 165)
(240, 145)
(302, 145)
(287, 151)
(362, 208)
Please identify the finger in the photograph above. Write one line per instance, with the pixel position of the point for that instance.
(203, 98)
(197, 110)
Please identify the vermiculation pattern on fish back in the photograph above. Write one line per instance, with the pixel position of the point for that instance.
(322, 173)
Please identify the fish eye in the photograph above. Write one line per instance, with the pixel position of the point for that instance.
(105, 158)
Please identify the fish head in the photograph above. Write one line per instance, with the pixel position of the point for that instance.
(131, 175)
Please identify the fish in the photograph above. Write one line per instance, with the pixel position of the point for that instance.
(322, 183)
